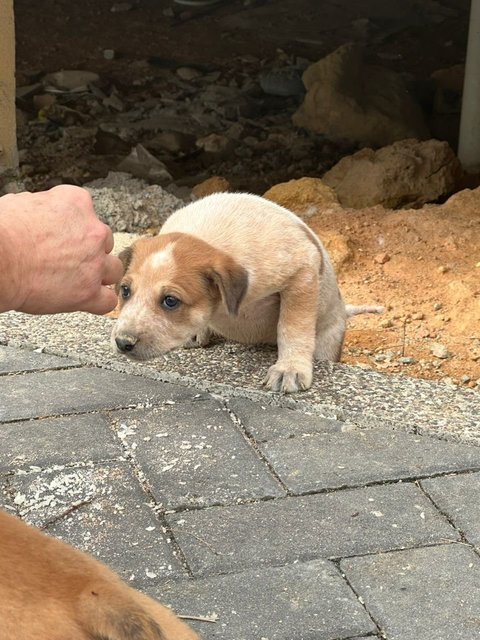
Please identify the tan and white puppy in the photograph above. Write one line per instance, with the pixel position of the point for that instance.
(239, 266)
(50, 591)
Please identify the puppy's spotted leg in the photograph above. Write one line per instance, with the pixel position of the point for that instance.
(295, 334)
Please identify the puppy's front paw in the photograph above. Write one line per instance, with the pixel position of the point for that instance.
(202, 339)
(288, 378)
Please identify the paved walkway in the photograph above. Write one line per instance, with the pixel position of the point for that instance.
(277, 523)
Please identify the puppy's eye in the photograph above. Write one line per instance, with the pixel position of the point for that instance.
(125, 291)
(170, 302)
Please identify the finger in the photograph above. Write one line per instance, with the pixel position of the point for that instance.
(105, 301)
(113, 270)
(109, 242)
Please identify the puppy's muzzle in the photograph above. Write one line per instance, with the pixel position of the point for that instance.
(126, 343)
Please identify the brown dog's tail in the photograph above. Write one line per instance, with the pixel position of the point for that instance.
(109, 613)
(355, 310)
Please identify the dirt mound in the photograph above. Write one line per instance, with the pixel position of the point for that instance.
(423, 265)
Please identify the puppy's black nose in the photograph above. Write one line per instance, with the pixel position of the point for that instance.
(126, 343)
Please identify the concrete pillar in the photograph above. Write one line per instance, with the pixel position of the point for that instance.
(8, 137)
(469, 138)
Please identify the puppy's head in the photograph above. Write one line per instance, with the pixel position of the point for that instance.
(172, 285)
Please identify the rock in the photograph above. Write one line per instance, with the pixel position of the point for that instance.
(382, 258)
(172, 141)
(405, 174)
(214, 143)
(120, 7)
(43, 101)
(406, 360)
(349, 100)
(188, 73)
(129, 204)
(305, 196)
(215, 184)
(142, 164)
(284, 82)
(440, 351)
(109, 54)
(71, 80)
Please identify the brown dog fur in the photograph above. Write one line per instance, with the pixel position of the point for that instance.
(50, 591)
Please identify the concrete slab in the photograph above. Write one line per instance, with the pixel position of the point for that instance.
(360, 397)
(194, 456)
(336, 524)
(16, 360)
(308, 600)
(51, 393)
(315, 462)
(421, 594)
(101, 509)
(264, 422)
(57, 441)
(459, 498)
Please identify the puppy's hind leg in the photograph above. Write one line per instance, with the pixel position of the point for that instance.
(329, 341)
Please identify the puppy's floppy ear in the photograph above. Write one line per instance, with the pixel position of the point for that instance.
(125, 257)
(232, 282)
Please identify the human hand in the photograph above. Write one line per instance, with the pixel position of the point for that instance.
(54, 254)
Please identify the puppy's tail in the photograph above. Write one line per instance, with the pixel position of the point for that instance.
(355, 310)
(108, 612)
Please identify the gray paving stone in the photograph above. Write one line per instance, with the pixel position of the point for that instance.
(42, 443)
(100, 509)
(330, 525)
(16, 360)
(331, 460)
(308, 601)
(421, 594)
(459, 498)
(74, 391)
(266, 422)
(193, 455)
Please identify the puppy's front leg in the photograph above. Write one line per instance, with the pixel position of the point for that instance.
(295, 334)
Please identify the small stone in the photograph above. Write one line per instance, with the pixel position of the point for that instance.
(215, 184)
(443, 269)
(437, 306)
(71, 79)
(406, 360)
(109, 54)
(465, 379)
(382, 258)
(386, 324)
(43, 101)
(418, 316)
(120, 7)
(188, 73)
(380, 357)
(214, 143)
(440, 351)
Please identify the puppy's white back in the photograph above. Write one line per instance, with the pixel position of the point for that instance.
(263, 237)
